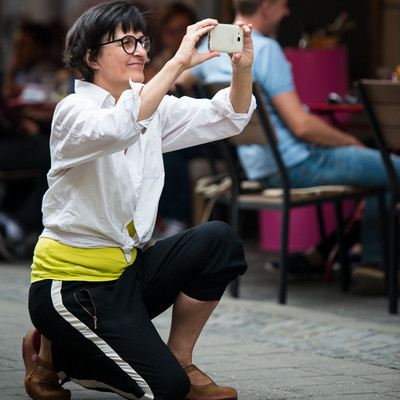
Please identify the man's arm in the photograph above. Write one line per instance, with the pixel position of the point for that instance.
(309, 127)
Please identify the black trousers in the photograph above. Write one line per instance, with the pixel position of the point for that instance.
(101, 332)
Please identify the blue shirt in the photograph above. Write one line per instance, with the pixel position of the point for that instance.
(273, 73)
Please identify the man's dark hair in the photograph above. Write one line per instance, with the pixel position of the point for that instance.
(248, 7)
(96, 25)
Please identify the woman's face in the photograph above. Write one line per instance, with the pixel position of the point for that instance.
(114, 66)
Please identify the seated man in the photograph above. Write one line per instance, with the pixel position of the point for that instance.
(314, 152)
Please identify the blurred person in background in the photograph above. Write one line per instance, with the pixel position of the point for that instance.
(314, 152)
(173, 22)
(31, 67)
(35, 80)
(27, 107)
(21, 149)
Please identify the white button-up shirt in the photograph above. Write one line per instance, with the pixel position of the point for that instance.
(107, 167)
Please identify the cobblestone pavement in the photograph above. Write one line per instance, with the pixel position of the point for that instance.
(324, 344)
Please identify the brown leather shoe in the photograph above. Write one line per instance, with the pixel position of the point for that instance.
(368, 280)
(210, 391)
(47, 388)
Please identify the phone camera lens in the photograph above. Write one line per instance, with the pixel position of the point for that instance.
(238, 39)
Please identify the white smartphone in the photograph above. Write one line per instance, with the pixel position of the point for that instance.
(226, 38)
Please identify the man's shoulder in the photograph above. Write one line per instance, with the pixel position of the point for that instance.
(268, 43)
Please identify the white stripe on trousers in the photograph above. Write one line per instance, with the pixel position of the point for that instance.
(100, 343)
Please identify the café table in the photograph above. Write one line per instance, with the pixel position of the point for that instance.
(340, 115)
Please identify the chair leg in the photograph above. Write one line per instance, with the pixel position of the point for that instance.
(235, 222)
(347, 228)
(385, 226)
(321, 225)
(393, 270)
(344, 261)
(283, 256)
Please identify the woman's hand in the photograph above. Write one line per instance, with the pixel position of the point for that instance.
(187, 55)
(242, 76)
(245, 59)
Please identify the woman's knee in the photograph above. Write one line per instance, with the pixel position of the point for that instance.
(219, 232)
(221, 250)
(175, 385)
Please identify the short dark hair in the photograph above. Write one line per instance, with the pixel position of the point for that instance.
(95, 25)
(248, 7)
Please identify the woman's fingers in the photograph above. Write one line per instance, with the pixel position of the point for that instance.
(245, 58)
(201, 28)
(202, 24)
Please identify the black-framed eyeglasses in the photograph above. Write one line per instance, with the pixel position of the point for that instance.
(129, 43)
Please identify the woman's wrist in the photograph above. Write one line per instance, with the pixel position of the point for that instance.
(175, 67)
(241, 72)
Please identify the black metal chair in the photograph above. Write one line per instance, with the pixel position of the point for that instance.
(381, 101)
(260, 131)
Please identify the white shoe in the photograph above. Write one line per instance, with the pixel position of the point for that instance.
(12, 238)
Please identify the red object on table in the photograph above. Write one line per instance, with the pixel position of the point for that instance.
(339, 115)
(322, 108)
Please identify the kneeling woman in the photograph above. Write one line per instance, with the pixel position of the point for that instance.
(95, 284)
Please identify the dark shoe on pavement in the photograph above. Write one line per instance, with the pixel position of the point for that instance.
(210, 391)
(298, 264)
(368, 280)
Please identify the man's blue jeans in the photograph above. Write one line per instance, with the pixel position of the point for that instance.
(346, 165)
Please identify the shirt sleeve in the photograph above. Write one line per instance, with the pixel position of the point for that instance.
(83, 131)
(272, 70)
(188, 121)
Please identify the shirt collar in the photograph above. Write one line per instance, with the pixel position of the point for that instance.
(95, 93)
(256, 33)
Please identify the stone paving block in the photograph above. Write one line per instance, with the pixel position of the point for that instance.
(265, 393)
(390, 379)
(349, 389)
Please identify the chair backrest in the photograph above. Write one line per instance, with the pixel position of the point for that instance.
(259, 130)
(381, 101)
(254, 132)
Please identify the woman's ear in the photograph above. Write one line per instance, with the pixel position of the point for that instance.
(90, 61)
